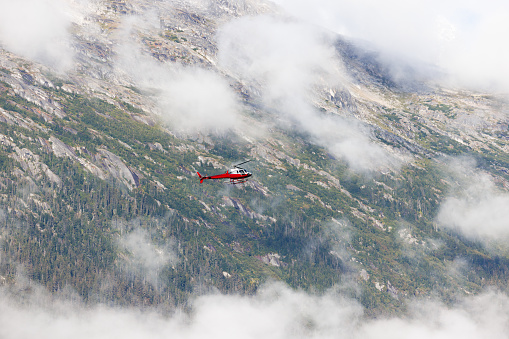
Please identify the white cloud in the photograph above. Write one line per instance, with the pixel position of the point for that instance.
(142, 257)
(286, 57)
(275, 312)
(197, 99)
(287, 64)
(483, 212)
(464, 38)
(38, 30)
(350, 140)
(190, 99)
(483, 316)
(479, 210)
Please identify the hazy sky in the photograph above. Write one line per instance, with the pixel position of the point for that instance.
(465, 38)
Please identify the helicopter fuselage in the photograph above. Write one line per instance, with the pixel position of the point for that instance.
(236, 176)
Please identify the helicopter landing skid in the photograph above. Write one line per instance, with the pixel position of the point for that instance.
(236, 181)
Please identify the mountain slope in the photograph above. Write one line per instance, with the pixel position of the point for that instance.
(352, 167)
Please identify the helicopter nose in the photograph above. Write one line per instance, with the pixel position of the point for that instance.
(249, 174)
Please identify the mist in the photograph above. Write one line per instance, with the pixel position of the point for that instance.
(189, 99)
(276, 311)
(38, 30)
(476, 208)
(463, 40)
(143, 258)
(285, 64)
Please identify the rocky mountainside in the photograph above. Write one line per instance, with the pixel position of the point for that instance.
(382, 186)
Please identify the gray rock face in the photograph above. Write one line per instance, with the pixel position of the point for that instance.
(295, 167)
(117, 168)
(33, 167)
(61, 149)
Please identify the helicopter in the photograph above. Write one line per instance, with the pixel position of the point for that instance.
(237, 175)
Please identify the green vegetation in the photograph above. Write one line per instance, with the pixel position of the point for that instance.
(439, 107)
(172, 37)
(309, 221)
(445, 109)
(393, 117)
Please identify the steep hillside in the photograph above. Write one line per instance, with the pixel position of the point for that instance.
(382, 188)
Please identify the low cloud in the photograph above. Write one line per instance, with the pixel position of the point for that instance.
(38, 30)
(286, 65)
(199, 100)
(483, 316)
(142, 257)
(276, 311)
(351, 140)
(190, 99)
(463, 39)
(477, 208)
(339, 234)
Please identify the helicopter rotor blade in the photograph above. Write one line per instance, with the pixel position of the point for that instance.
(242, 163)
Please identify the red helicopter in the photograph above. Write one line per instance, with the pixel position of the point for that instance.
(237, 175)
